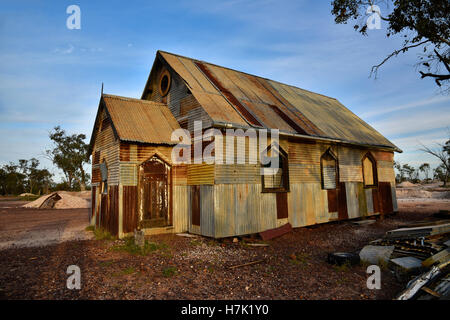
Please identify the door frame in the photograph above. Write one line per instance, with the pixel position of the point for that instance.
(140, 191)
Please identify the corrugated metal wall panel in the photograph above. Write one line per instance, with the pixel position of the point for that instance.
(207, 226)
(362, 200)
(349, 173)
(224, 208)
(128, 174)
(238, 173)
(350, 156)
(394, 197)
(267, 209)
(180, 208)
(242, 209)
(179, 175)
(304, 173)
(303, 153)
(351, 189)
(200, 174)
(369, 201)
(308, 205)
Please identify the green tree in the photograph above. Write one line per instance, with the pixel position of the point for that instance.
(400, 177)
(410, 171)
(69, 154)
(425, 168)
(423, 24)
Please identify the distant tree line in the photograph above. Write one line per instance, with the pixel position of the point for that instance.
(69, 154)
(405, 172)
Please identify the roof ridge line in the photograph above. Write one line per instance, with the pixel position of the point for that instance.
(134, 99)
(246, 73)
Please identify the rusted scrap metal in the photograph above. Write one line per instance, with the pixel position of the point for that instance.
(277, 232)
(412, 233)
(414, 287)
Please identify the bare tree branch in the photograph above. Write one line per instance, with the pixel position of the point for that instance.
(375, 68)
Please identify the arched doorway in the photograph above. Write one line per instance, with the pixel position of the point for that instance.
(155, 193)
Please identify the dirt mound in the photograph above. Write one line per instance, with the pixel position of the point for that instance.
(61, 200)
(419, 193)
(406, 184)
(26, 194)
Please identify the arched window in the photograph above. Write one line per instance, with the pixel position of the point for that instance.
(329, 170)
(369, 165)
(275, 179)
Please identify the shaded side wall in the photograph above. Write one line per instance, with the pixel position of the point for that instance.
(105, 207)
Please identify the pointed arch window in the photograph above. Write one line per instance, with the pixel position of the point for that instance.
(329, 170)
(275, 179)
(369, 166)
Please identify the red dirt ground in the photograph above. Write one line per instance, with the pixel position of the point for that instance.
(198, 268)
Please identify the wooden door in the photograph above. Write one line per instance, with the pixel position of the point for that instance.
(155, 184)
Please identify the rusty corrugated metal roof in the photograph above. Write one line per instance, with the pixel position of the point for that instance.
(136, 120)
(239, 98)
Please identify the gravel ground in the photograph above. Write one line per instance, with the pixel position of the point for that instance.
(22, 227)
(294, 266)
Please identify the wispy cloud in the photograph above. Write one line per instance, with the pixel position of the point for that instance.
(411, 105)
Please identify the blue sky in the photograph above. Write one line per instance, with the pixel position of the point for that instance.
(51, 75)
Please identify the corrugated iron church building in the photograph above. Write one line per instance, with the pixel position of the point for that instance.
(333, 165)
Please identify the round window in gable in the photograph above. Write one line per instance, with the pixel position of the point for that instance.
(164, 83)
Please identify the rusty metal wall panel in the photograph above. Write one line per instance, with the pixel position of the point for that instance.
(237, 174)
(385, 171)
(376, 200)
(342, 202)
(242, 209)
(112, 213)
(179, 175)
(130, 214)
(383, 155)
(362, 200)
(394, 197)
(385, 192)
(350, 173)
(304, 173)
(224, 210)
(308, 204)
(304, 153)
(196, 205)
(105, 148)
(332, 196)
(200, 174)
(128, 174)
(351, 190)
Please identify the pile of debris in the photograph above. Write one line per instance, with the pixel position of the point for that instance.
(420, 252)
(60, 200)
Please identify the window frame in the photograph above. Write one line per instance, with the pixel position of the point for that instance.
(331, 153)
(372, 159)
(285, 174)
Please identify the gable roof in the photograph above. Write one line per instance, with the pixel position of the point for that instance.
(135, 120)
(241, 99)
